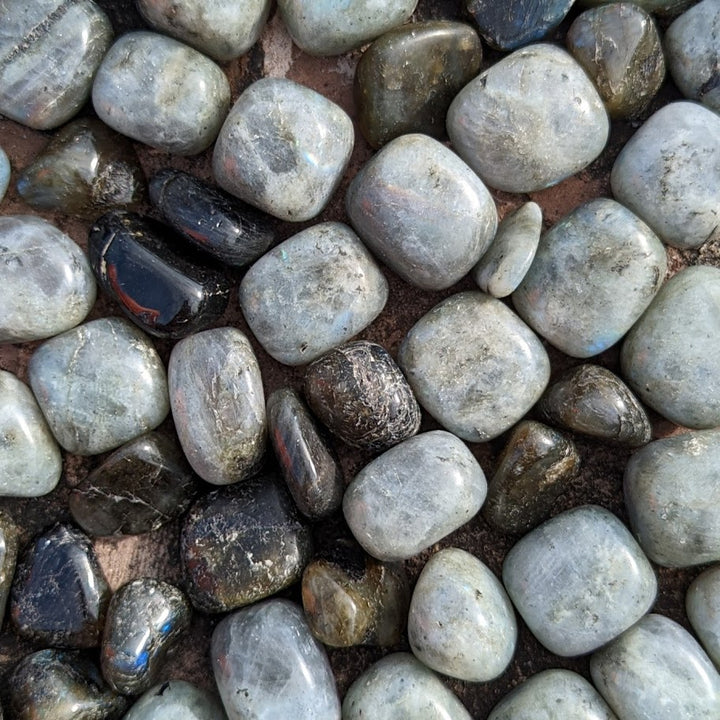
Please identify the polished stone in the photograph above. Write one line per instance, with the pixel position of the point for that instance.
(662, 8)
(243, 543)
(139, 488)
(146, 617)
(218, 404)
(99, 385)
(359, 393)
(314, 291)
(161, 92)
(267, 665)
(49, 52)
(579, 580)
(594, 273)
(660, 177)
(9, 543)
(670, 357)
(474, 365)
(444, 57)
(176, 700)
(422, 211)
(30, 459)
(461, 622)
(529, 121)
(657, 670)
(702, 604)
(5, 171)
(413, 495)
(283, 148)
(46, 284)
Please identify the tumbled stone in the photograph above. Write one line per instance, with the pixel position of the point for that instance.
(283, 148)
(30, 460)
(461, 622)
(222, 29)
(161, 92)
(59, 595)
(702, 604)
(176, 700)
(315, 290)
(218, 404)
(319, 29)
(594, 273)
(307, 462)
(554, 122)
(139, 488)
(474, 365)
(86, 169)
(444, 57)
(9, 541)
(670, 357)
(657, 670)
(267, 665)
(359, 392)
(99, 385)
(61, 685)
(46, 285)
(5, 170)
(579, 580)
(49, 52)
(216, 223)
(243, 543)
(399, 687)
(662, 8)
(553, 695)
(422, 211)
(591, 400)
(146, 617)
(669, 174)
(413, 495)
(536, 467)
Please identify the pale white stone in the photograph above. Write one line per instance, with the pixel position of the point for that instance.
(702, 604)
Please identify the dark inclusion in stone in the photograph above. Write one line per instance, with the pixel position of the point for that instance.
(157, 287)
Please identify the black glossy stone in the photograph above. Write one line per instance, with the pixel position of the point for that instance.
(59, 596)
(140, 487)
(221, 225)
(159, 289)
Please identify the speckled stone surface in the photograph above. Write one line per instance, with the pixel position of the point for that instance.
(474, 365)
(5, 171)
(9, 543)
(579, 580)
(176, 700)
(161, 92)
(702, 604)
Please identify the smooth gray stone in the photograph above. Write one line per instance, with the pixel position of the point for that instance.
(702, 603)
(46, 284)
(176, 700)
(657, 670)
(422, 211)
(218, 404)
(669, 174)
(99, 385)
(161, 92)
(267, 665)
(4, 173)
(504, 265)
(672, 496)
(283, 148)
(394, 507)
(400, 687)
(461, 622)
(670, 357)
(222, 29)
(49, 52)
(319, 28)
(579, 580)
(691, 48)
(474, 365)
(594, 273)
(9, 545)
(553, 695)
(531, 120)
(314, 291)
(30, 460)
(663, 8)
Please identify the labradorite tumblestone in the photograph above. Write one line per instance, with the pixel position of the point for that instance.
(5, 171)
(702, 603)
(9, 542)
(176, 700)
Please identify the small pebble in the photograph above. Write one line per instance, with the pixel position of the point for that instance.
(5, 171)
(176, 700)
(9, 543)
(702, 604)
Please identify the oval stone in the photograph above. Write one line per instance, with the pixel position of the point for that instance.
(393, 506)
(422, 211)
(46, 284)
(594, 273)
(702, 603)
(176, 700)
(5, 171)
(165, 94)
(662, 8)
(474, 365)
(555, 122)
